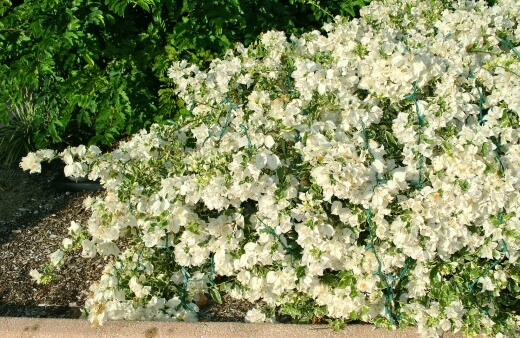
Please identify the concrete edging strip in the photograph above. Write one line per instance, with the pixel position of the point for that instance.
(67, 328)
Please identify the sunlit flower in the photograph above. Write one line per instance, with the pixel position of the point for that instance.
(255, 316)
(56, 257)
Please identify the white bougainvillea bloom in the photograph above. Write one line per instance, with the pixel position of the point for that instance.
(138, 289)
(368, 173)
(67, 243)
(255, 316)
(56, 257)
(75, 228)
(31, 162)
(36, 276)
(89, 248)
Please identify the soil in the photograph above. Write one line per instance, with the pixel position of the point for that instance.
(34, 217)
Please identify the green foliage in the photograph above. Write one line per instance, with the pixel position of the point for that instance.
(304, 310)
(21, 135)
(95, 68)
(4, 6)
(78, 62)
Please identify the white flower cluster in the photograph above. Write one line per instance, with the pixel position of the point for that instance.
(374, 170)
(32, 161)
(76, 159)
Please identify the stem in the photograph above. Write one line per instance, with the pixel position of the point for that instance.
(508, 70)
(317, 5)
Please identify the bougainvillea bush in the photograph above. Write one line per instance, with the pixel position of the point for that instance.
(368, 174)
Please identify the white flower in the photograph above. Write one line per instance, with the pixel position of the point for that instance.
(46, 154)
(273, 162)
(138, 289)
(79, 150)
(36, 276)
(255, 316)
(269, 141)
(455, 310)
(245, 79)
(67, 157)
(75, 228)
(95, 150)
(56, 257)
(173, 303)
(31, 162)
(89, 248)
(189, 316)
(67, 243)
(75, 169)
(261, 160)
(154, 237)
(107, 249)
(487, 284)
(365, 285)
(327, 230)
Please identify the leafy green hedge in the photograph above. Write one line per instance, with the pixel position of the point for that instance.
(95, 68)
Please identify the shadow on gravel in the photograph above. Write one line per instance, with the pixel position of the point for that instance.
(25, 199)
(17, 310)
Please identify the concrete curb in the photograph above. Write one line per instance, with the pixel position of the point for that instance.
(68, 328)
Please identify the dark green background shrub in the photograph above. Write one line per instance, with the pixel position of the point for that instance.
(95, 68)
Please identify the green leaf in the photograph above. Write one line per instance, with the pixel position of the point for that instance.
(96, 16)
(215, 295)
(89, 60)
(320, 311)
(291, 310)
(347, 278)
(391, 140)
(329, 279)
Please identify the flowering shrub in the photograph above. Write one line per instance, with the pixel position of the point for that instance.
(371, 174)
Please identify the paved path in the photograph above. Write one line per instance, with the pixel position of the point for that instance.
(68, 328)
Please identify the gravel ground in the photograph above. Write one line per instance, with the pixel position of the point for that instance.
(34, 218)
